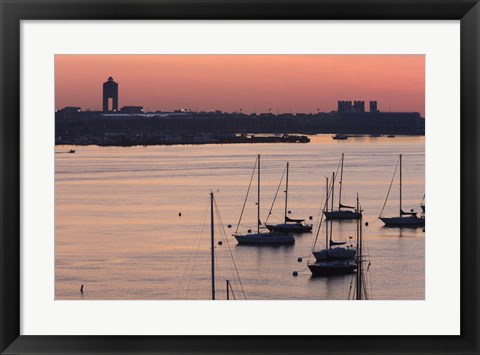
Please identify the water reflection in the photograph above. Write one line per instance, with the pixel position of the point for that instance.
(118, 230)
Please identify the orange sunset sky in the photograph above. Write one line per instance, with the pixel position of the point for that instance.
(287, 83)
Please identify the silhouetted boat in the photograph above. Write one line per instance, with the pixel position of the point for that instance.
(261, 238)
(71, 151)
(390, 136)
(290, 225)
(334, 250)
(330, 268)
(344, 211)
(405, 219)
(340, 136)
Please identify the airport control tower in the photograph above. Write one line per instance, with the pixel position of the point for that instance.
(110, 91)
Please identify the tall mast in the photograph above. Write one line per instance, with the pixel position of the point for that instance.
(359, 256)
(341, 180)
(212, 246)
(326, 220)
(258, 197)
(400, 185)
(286, 195)
(333, 187)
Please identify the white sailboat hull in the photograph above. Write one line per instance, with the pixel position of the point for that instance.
(409, 221)
(264, 238)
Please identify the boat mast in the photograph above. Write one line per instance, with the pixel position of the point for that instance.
(331, 224)
(400, 185)
(333, 188)
(286, 194)
(327, 246)
(341, 180)
(258, 197)
(359, 256)
(212, 246)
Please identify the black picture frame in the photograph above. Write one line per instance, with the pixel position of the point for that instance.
(14, 11)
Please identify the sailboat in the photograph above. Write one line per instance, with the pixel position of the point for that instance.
(332, 265)
(344, 211)
(290, 225)
(405, 219)
(260, 238)
(422, 204)
(333, 250)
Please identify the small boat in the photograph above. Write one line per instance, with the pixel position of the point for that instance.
(340, 136)
(334, 250)
(71, 151)
(338, 253)
(290, 225)
(265, 238)
(330, 268)
(261, 238)
(404, 219)
(344, 211)
(390, 136)
(422, 204)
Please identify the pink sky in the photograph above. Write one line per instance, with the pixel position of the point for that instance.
(297, 83)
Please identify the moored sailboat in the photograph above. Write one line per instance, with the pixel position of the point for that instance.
(343, 211)
(261, 238)
(330, 268)
(290, 225)
(405, 219)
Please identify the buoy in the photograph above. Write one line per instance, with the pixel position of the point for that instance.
(424, 229)
(295, 273)
(179, 214)
(229, 226)
(299, 260)
(310, 217)
(220, 242)
(366, 223)
(81, 289)
(249, 231)
(289, 212)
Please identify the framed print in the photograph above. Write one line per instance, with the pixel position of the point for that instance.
(239, 177)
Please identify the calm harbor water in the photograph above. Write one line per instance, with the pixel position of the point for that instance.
(119, 233)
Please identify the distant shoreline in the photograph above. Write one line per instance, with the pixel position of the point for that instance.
(237, 140)
(121, 141)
